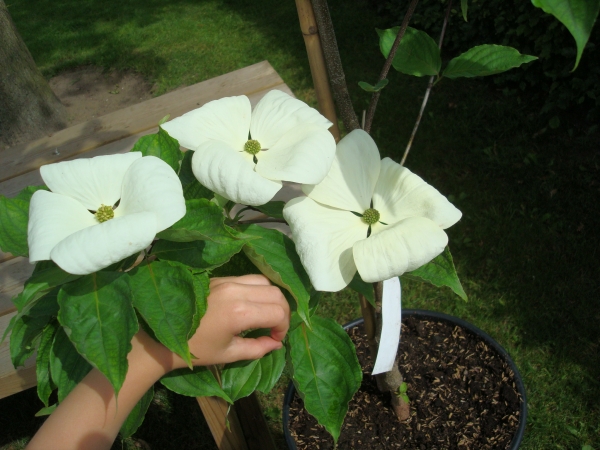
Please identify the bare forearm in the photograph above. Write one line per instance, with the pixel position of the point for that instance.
(91, 417)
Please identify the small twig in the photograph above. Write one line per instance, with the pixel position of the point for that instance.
(428, 91)
(388, 63)
(333, 62)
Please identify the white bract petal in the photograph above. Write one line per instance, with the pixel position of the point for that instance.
(303, 155)
(67, 231)
(283, 139)
(226, 120)
(407, 218)
(324, 237)
(53, 217)
(151, 185)
(353, 175)
(97, 247)
(400, 248)
(277, 113)
(93, 181)
(232, 175)
(400, 194)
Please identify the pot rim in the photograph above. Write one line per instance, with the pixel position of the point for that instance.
(442, 317)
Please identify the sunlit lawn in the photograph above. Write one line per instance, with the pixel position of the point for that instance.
(526, 248)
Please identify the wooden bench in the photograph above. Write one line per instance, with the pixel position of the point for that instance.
(113, 133)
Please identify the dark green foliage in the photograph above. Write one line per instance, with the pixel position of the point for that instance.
(549, 82)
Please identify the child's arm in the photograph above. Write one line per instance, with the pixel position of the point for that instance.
(89, 418)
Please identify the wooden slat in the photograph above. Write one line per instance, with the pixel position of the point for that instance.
(13, 186)
(15, 271)
(113, 133)
(13, 274)
(225, 428)
(11, 380)
(134, 119)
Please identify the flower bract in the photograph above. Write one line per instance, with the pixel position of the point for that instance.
(370, 215)
(101, 210)
(244, 155)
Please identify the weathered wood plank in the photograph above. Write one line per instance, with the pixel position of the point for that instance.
(113, 133)
(13, 274)
(134, 119)
(11, 380)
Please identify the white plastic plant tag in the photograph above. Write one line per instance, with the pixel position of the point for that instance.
(391, 313)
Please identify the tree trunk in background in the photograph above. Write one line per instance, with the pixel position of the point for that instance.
(28, 107)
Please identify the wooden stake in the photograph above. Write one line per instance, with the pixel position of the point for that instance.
(254, 424)
(308, 25)
(215, 412)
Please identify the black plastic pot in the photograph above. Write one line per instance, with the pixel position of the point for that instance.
(441, 317)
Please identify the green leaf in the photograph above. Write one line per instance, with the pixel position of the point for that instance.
(27, 328)
(164, 119)
(362, 287)
(45, 385)
(484, 60)
(370, 88)
(403, 388)
(272, 209)
(417, 53)
(46, 276)
(577, 15)
(46, 411)
(276, 257)
(162, 146)
(203, 255)
(191, 186)
(137, 414)
(197, 383)
(67, 367)
(242, 378)
(14, 216)
(164, 295)
(98, 316)
(439, 272)
(326, 371)
(201, 290)
(203, 220)
(464, 5)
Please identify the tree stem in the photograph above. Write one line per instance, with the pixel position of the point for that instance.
(428, 91)
(388, 64)
(333, 62)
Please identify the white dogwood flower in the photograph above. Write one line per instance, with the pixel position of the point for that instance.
(404, 215)
(244, 155)
(101, 210)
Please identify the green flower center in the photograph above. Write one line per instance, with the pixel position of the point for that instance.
(252, 146)
(104, 213)
(371, 216)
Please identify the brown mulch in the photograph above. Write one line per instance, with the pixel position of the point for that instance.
(463, 396)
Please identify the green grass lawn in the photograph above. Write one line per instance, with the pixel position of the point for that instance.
(526, 248)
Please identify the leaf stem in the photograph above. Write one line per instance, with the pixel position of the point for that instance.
(429, 87)
(388, 63)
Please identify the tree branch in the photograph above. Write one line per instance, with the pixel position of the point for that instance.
(428, 91)
(388, 64)
(337, 79)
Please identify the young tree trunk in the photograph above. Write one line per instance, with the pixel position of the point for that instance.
(28, 107)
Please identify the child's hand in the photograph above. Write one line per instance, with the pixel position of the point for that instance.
(237, 304)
